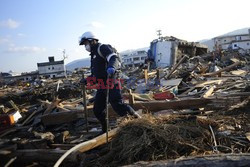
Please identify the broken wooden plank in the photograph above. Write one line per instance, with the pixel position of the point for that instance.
(47, 104)
(238, 72)
(208, 92)
(166, 76)
(93, 143)
(53, 105)
(131, 98)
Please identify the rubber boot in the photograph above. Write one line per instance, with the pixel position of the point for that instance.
(133, 112)
(104, 126)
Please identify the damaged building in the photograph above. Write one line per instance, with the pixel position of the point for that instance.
(52, 69)
(165, 51)
(233, 42)
(134, 58)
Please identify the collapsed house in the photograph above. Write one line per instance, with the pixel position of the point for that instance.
(165, 51)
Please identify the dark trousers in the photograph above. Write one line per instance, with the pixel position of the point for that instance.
(115, 99)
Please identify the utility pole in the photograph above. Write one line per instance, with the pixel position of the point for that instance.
(64, 57)
(64, 54)
(159, 34)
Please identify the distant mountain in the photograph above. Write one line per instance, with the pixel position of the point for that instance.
(210, 42)
(133, 50)
(237, 32)
(78, 64)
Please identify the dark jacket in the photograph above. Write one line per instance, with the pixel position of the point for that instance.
(100, 64)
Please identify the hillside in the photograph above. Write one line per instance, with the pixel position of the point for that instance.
(78, 63)
(210, 42)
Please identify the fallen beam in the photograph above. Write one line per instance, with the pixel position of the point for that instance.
(222, 70)
(52, 105)
(166, 76)
(61, 117)
(218, 160)
(175, 104)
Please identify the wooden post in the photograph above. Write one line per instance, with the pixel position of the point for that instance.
(85, 104)
(131, 98)
(146, 76)
(158, 79)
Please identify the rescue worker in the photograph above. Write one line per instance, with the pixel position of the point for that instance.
(104, 63)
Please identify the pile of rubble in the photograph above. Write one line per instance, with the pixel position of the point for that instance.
(198, 107)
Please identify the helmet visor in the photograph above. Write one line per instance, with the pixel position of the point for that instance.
(81, 41)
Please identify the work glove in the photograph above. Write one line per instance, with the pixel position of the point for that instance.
(111, 71)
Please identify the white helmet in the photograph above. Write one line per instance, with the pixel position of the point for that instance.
(87, 36)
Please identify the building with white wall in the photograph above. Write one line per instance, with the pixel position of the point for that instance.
(25, 77)
(166, 51)
(52, 69)
(133, 57)
(236, 41)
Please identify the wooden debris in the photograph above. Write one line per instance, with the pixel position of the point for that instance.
(53, 118)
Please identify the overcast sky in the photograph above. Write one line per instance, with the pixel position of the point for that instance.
(32, 30)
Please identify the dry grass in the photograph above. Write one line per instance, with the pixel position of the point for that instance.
(153, 138)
